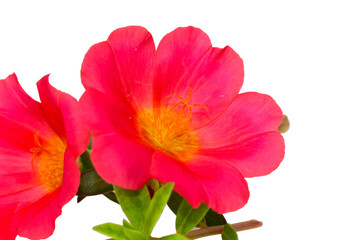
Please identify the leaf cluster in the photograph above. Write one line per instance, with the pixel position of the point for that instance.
(143, 212)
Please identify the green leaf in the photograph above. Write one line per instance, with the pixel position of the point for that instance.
(80, 198)
(175, 237)
(212, 218)
(92, 184)
(156, 207)
(132, 233)
(126, 224)
(111, 230)
(229, 233)
(188, 217)
(86, 161)
(175, 201)
(134, 204)
(90, 143)
(111, 196)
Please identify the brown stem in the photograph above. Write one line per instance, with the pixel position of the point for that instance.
(241, 226)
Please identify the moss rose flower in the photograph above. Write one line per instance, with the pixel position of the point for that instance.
(39, 145)
(175, 114)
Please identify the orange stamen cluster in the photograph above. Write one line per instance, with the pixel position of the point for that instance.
(169, 128)
(48, 162)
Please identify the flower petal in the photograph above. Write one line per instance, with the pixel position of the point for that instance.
(106, 114)
(249, 114)
(203, 179)
(254, 156)
(37, 221)
(122, 66)
(121, 161)
(62, 111)
(186, 62)
(13, 136)
(116, 153)
(37, 210)
(246, 135)
(7, 228)
(16, 105)
(71, 179)
(23, 197)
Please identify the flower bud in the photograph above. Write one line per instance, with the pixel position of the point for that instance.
(285, 124)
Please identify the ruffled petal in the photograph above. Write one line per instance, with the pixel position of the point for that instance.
(189, 69)
(122, 66)
(37, 221)
(62, 111)
(37, 210)
(249, 114)
(120, 161)
(203, 179)
(254, 156)
(71, 179)
(16, 105)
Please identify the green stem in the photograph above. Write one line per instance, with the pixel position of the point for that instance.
(205, 232)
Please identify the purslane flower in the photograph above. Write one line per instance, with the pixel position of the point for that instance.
(39, 147)
(175, 114)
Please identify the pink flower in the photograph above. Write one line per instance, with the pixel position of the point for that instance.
(174, 114)
(39, 145)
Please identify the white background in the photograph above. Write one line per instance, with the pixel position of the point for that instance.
(306, 54)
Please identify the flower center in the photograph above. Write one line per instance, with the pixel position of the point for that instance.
(169, 131)
(48, 162)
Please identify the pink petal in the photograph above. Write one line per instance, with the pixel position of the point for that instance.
(37, 210)
(257, 155)
(99, 70)
(15, 135)
(122, 66)
(7, 228)
(121, 161)
(71, 179)
(246, 135)
(187, 61)
(37, 221)
(16, 105)
(203, 179)
(107, 114)
(23, 197)
(17, 182)
(117, 155)
(249, 114)
(62, 111)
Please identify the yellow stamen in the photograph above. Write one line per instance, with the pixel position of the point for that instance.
(169, 131)
(48, 162)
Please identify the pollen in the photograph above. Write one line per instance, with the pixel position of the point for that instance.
(48, 162)
(169, 131)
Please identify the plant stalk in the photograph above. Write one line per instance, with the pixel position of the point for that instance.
(241, 226)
